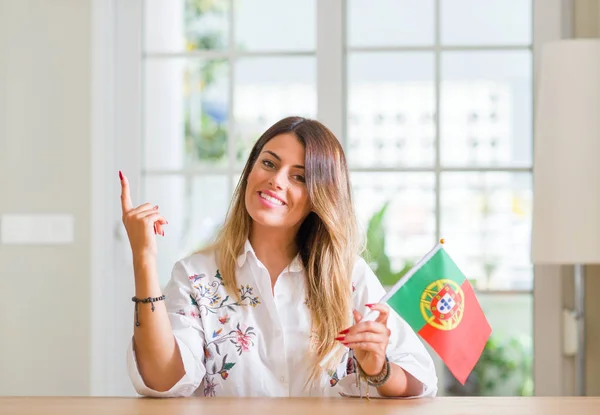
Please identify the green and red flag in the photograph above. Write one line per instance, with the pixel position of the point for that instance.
(439, 303)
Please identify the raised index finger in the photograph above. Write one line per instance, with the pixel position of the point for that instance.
(126, 204)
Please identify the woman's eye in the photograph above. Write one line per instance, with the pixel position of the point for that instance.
(268, 164)
(300, 178)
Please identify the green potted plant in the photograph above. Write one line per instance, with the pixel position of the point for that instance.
(504, 368)
(375, 254)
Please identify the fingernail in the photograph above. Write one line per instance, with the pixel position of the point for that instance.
(156, 207)
(344, 331)
(369, 305)
(163, 233)
(340, 338)
(166, 222)
(154, 229)
(120, 175)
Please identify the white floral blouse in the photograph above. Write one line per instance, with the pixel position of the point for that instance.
(258, 346)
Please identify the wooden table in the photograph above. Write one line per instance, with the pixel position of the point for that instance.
(300, 406)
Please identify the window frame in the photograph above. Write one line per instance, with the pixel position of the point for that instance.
(117, 145)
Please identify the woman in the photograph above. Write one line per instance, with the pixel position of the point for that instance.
(274, 307)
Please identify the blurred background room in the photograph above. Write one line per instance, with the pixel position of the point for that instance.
(433, 100)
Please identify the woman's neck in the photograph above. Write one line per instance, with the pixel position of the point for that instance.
(273, 243)
(273, 247)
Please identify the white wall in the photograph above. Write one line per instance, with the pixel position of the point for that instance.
(554, 373)
(44, 168)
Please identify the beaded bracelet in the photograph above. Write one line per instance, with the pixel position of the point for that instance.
(379, 379)
(150, 300)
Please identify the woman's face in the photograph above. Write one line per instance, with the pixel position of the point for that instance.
(276, 194)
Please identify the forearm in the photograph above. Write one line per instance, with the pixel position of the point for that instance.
(157, 354)
(400, 383)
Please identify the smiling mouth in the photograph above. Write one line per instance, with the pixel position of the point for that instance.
(271, 199)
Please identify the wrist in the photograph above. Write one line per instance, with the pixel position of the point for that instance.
(375, 368)
(144, 266)
(143, 258)
(380, 378)
(145, 276)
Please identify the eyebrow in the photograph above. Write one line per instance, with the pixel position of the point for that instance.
(279, 158)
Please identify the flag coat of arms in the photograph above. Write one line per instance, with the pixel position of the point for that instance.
(438, 302)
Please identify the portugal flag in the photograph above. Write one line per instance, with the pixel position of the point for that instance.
(438, 302)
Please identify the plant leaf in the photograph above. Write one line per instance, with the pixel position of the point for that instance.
(375, 254)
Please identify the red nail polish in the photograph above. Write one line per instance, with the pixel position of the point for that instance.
(163, 233)
(120, 175)
(344, 331)
(369, 305)
(340, 338)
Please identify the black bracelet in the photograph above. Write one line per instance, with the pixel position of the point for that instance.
(150, 300)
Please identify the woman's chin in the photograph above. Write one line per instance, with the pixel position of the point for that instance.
(268, 220)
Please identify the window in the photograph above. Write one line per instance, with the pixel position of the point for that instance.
(213, 83)
(439, 128)
(216, 75)
(439, 123)
(436, 124)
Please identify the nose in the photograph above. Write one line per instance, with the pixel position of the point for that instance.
(279, 180)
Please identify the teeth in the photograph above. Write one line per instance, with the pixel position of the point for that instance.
(271, 199)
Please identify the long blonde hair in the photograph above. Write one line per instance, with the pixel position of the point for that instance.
(327, 240)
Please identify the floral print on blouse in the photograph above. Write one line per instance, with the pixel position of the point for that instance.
(259, 345)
